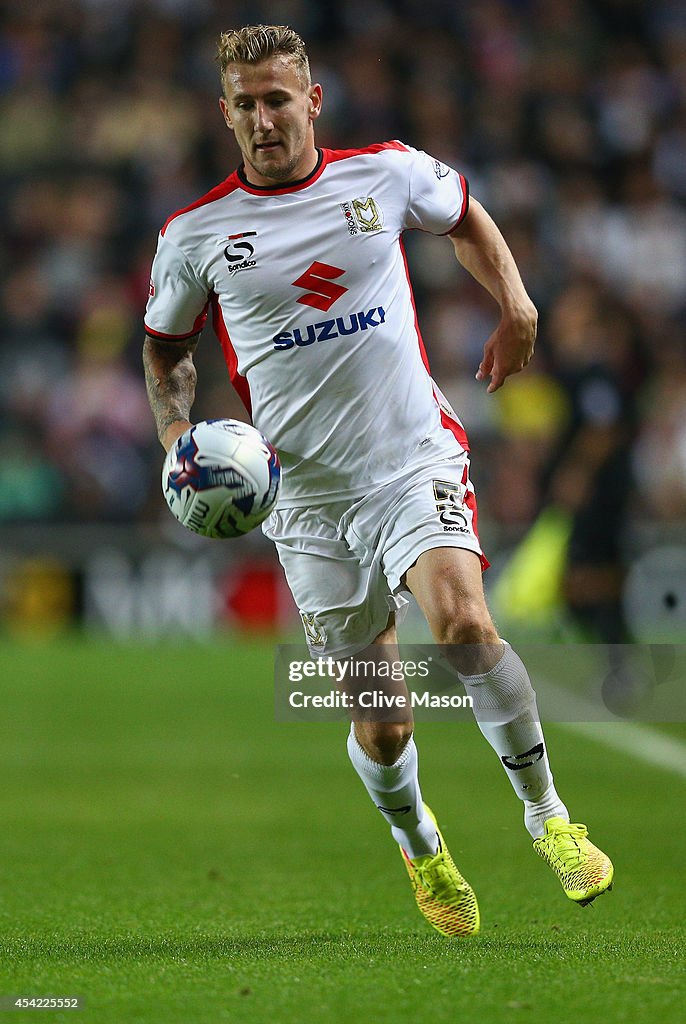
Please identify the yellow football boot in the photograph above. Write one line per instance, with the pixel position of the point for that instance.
(584, 871)
(443, 896)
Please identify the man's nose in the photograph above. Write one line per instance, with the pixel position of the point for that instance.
(263, 120)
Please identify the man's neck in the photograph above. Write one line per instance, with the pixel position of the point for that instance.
(303, 171)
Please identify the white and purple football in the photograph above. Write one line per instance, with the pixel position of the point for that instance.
(221, 478)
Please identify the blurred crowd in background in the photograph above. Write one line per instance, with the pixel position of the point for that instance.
(567, 117)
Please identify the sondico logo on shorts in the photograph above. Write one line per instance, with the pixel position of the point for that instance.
(449, 507)
(362, 215)
(314, 631)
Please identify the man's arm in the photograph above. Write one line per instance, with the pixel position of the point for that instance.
(482, 250)
(170, 379)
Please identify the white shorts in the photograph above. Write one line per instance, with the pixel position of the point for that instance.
(345, 562)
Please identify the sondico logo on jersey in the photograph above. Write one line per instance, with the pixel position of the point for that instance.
(321, 291)
(362, 215)
(238, 252)
(449, 506)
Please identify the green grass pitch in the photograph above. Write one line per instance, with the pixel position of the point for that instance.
(173, 855)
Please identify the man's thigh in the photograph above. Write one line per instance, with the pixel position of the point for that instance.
(344, 605)
(434, 507)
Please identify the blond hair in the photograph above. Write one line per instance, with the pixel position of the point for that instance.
(255, 43)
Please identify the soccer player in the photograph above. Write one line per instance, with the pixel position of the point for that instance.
(298, 254)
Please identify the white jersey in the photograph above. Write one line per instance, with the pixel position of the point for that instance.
(312, 304)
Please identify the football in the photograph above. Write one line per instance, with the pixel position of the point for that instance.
(221, 478)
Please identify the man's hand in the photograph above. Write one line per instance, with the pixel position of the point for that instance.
(509, 348)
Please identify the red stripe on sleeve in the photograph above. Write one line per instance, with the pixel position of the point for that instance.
(168, 337)
(465, 204)
(196, 328)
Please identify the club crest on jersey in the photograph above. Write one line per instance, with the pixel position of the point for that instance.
(362, 215)
(449, 506)
(238, 251)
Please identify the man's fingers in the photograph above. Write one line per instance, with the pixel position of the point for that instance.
(503, 356)
(485, 366)
(499, 376)
(497, 381)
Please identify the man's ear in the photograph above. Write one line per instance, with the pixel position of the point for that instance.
(224, 107)
(315, 101)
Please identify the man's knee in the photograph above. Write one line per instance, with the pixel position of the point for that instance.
(383, 741)
(468, 624)
(472, 642)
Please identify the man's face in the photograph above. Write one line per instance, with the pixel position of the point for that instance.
(271, 113)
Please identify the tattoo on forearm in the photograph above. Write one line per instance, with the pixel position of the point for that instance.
(170, 379)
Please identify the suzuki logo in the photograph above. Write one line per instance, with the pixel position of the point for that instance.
(319, 277)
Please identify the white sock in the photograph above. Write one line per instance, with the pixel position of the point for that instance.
(505, 711)
(394, 788)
